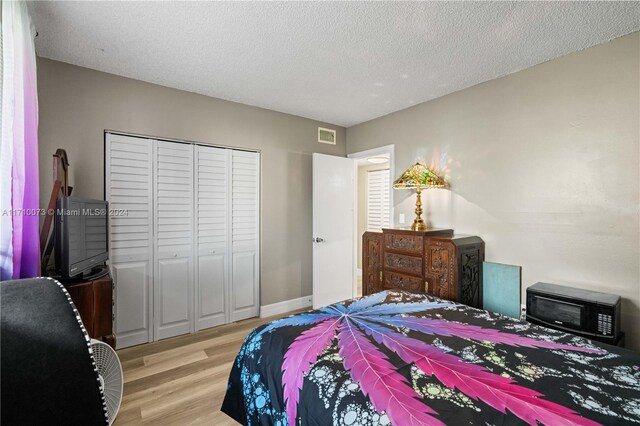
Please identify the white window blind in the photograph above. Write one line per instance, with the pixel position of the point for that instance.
(378, 199)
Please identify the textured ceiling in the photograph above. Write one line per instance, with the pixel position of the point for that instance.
(338, 62)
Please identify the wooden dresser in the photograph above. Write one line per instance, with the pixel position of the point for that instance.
(434, 261)
(94, 301)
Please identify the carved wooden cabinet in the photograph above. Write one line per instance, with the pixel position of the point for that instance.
(371, 262)
(434, 261)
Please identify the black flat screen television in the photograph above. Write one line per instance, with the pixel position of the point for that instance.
(81, 236)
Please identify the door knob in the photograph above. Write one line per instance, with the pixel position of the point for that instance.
(318, 240)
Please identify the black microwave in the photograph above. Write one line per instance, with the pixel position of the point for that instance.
(586, 313)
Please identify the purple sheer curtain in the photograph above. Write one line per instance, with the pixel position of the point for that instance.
(19, 196)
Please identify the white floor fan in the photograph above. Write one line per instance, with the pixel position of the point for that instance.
(110, 375)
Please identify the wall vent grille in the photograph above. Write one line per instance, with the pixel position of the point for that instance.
(326, 136)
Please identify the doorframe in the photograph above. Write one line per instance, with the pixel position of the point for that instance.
(382, 150)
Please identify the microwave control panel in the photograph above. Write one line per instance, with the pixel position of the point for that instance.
(604, 324)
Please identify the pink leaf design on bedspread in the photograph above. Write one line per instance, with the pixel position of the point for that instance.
(368, 322)
(467, 331)
(378, 379)
(476, 382)
(302, 353)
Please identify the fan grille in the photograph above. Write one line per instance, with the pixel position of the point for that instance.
(110, 372)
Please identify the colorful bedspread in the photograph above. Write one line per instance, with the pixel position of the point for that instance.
(411, 359)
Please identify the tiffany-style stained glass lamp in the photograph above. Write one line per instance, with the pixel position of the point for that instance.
(419, 177)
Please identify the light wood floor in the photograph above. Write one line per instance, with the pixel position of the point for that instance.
(182, 380)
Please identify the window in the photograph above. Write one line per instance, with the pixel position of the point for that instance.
(378, 199)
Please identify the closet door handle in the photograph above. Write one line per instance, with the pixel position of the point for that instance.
(212, 251)
(175, 254)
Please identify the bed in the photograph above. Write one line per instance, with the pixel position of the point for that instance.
(406, 358)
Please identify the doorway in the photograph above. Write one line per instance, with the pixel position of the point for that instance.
(373, 210)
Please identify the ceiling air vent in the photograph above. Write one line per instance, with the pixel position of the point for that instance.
(326, 136)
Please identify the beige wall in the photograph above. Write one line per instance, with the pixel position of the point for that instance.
(362, 202)
(78, 104)
(543, 165)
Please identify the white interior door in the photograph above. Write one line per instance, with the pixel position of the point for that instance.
(212, 234)
(174, 266)
(333, 228)
(129, 187)
(244, 213)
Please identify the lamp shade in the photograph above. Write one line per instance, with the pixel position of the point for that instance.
(418, 176)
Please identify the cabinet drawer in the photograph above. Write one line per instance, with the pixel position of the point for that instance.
(395, 281)
(406, 243)
(403, 263)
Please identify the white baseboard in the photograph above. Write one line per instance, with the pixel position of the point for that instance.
(285, 306)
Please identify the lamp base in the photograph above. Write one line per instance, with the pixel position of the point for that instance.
(418, 223)
(419, 226)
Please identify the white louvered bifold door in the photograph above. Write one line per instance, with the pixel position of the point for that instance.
(212, 235)
(174, 228)
(186, 257)
(245, 190)
(129, 188)
(378, 199)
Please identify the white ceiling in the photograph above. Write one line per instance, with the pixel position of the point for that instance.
(338, 62)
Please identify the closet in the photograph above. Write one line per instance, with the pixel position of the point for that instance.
(184, 242)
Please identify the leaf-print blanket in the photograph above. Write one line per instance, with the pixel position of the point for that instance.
(405, 358)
